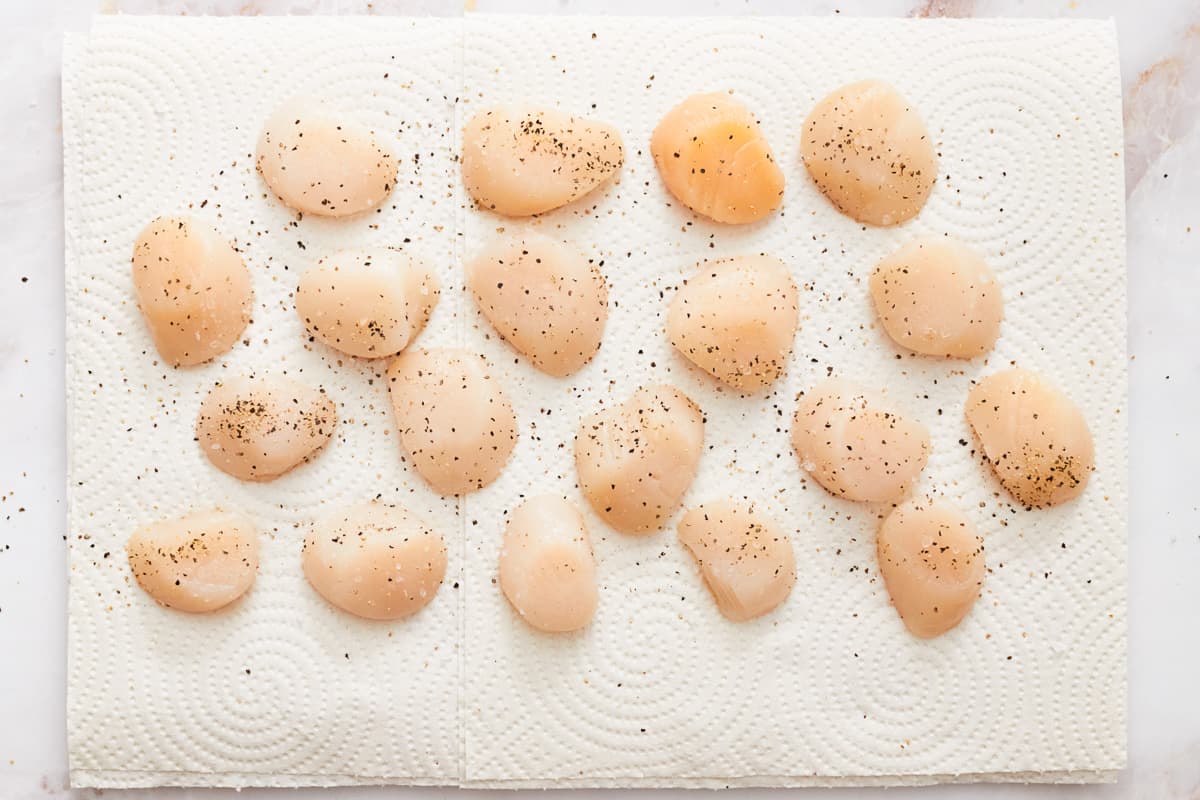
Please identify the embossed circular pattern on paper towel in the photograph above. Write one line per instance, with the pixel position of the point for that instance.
(280, 684)
(829, 684)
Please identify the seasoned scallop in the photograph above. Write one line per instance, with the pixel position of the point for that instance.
(736, 319)
(374, 560)
(200, 562)
(932, 563)
(320, 162)
(256, 429)
(454, 419)
(520, 160)
(636, 460)
(714, 159)
(1035, 438)
(367, 303)
(856, 444)
(547, 570)
(193, 289)
(745, 559)
(870, 153)
(938, 297)
(544, 298)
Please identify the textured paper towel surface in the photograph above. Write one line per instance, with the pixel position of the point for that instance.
(661, 690)
(161, 116)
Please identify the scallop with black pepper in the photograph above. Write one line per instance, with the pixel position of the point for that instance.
(546, 299)
(259, 428)
(736, 319)
(374, 560)
(869, 152)
(636, 460)
(193, 289)
(200, 562)
(318, 161)
(714, 159)
(932, 563)
(1035, 438)
(520, 160)
(856, 444)
(454, 418)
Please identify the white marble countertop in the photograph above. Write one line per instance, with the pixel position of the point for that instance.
(1160, 60)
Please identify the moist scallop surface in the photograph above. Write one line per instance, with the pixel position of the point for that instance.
(745, 559)
(636, 460)
(454, 419)
(938, 297)
(547, 569)
(374, 560)
(193, 289)
(856, 444)
(870, 153)
(736, 318)
(196, 563)
(544, 298)
(932, 563)
(367, 303)
(320, 162)
(258, 428)
(1036, 440)
(521, 159)
(714, 159)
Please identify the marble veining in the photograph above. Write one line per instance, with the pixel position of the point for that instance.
(1160, 54)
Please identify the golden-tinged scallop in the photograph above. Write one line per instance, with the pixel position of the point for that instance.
(520, 160)
(258, 428)
(1035, 438)
(193, 289)
(736, 319)
(367, 303)
(745, 559)
(938, 297)
(870, 153)
(320, 162)
(374, 560)
(932, 563)
(636, 460)
(200, 562)
(856, 444)
(454, 419)
(547, 570)
(544, 298)
(714, 159)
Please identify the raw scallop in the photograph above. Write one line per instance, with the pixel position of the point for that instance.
(454, 419)
(375, 561)
(200, 562)
(1035, 438)
(319, 162)
(870, 153)
(714, 159)
(736, 319)
(520, 160)
(547, 570)
(193, 289)
(938, 297)
(636, 460)
(544, 298)
(367, 303)
(855, 444)
(932, 563)
(256, 429)
(745, 559)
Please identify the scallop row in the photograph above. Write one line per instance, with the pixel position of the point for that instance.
(868, 152)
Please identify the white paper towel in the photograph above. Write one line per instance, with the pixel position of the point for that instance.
(660, 690)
